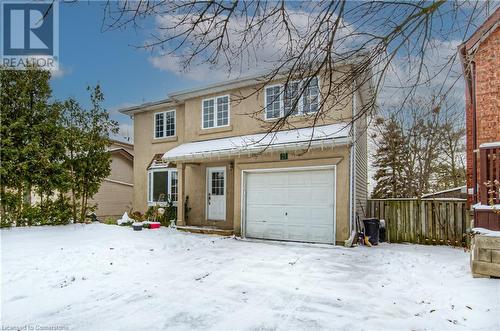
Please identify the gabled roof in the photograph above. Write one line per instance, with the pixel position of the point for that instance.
(490, 25)
(287, 140)
(178, 97)
(123, 152)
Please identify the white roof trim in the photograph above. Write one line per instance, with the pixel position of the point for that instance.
(317, 137)
(493, 144)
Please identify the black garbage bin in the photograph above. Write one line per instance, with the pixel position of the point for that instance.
(372, 227)
(381, 232)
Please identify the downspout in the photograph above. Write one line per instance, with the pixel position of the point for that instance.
(474, 130)
(352, 165)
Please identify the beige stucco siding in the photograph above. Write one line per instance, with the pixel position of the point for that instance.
(247, 115)
(145, 147)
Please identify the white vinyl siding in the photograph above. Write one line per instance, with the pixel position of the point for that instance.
(162, 185)
(215, 112)
(361, 159)
(281, 100)
(164, 124)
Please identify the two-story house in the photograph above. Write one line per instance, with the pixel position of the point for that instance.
(480, 56)
(214, 154)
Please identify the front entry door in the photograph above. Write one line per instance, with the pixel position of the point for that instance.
(216, 193)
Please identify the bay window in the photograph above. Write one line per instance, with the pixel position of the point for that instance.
(162, 186)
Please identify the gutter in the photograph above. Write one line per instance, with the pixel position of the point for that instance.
(318, 144)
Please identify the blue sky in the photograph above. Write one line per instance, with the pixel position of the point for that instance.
(90, 57)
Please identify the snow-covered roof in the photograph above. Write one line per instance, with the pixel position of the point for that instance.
(458, 188)
(493, 144)
(479, 206)
(320, 136)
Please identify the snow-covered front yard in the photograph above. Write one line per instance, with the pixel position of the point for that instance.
(105, 277)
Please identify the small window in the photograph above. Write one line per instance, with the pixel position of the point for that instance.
(273, 102)
(159, 125)
(215, 112)
(291, 100)
(165, 124)
(162, 185)
(311, 96)
(170, 124)
(208, 113)
(173, 186)
(222, 111)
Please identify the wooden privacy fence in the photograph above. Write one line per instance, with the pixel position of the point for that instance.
(423, 221)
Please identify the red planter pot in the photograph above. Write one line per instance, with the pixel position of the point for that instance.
(154, 225)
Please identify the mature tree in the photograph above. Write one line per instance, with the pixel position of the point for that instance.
(389, 159)
(299, 40)
(49, 148)
(451, 167)
(428, 153)
(31, 148)
(87, 158)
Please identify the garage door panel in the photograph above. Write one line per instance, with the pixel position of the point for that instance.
(270, 196)
(291, 205)
(264, 213)
(321, 196)
(319, 178)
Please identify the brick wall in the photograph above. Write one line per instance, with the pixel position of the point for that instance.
(487, 60)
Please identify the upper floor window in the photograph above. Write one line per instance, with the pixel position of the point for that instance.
(281, 100)
(215, 112)
(164, 124)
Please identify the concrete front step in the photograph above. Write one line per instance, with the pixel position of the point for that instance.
(205, 230)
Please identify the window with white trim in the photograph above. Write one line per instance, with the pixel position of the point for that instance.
(215, 112)
(273, 101)
(162, 185)
(291, 101)
(281, 100)
(311, 96)
(164, 124)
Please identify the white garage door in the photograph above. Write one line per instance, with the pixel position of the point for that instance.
(291, 205)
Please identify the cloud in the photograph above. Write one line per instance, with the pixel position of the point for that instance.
(126, 130)
(61, 72)
(115, 110)
(239, 56)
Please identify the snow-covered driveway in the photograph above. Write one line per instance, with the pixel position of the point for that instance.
(105, 277)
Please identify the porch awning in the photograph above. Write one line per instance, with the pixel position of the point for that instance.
(317, 137)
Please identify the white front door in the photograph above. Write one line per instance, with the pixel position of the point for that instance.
(216, 193)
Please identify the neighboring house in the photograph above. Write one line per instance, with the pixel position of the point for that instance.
(453, 193)
(480, 56)
(205, 147)
(115, 194)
